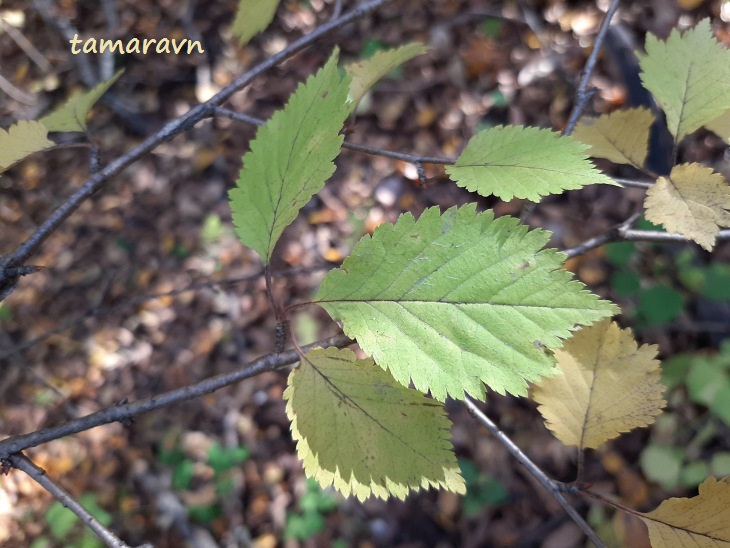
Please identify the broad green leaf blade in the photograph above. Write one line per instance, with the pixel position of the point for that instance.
(523, 162)
(689, 75)
(71, 116)
(608, 385)
(702, 521)
(621, 136)
(359, 429)
(366, 73)
(21, 140)
(290, 159)
(252, 17)
(454, 300)
(693, 201)
(720, 126)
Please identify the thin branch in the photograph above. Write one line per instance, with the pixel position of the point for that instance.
(413, 158)
(555, 488)
(123, 413)
(179, 125)
(631, 183)
(582, 95)
(659, 237)
(22, 463)
(611, 235)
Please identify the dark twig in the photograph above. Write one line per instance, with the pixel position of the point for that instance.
(22, 463)
(117, 413)
(555, 488)
(173, 128)
(582, 95)
(611, 235)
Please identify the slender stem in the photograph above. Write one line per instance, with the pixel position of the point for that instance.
(179, 125)
(22, 463)
(553, 487)
(657, 236)
(611, 235)
(269, 362)
(582, 95)
(413, 158)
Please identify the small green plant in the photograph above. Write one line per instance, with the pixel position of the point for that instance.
(309, 520)
(66, 528)
(222, 460)
(482, 490)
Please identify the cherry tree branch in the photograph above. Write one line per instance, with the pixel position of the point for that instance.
(24, 464)
(555, 488)
(173, 128)
(124, 412)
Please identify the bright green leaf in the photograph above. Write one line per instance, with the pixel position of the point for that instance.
(71, 116)
(689, 75)
(452, 301)
(523, 162)
(252, 17)
(21, 140)
(402, 436)
(290, 159)
(366, 73)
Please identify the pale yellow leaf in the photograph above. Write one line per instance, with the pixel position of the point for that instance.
(621, 136)
(608, 386)
(700, 522)
(21, 140)
(71, 116)
(721, 126)
(693, 201)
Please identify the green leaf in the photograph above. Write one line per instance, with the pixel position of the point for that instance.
(689, 75)
(71, 116)
(523, 162)
(60, 520)
(290, 159)
(252, 17)
(662, 464)
(222, 458)
(454, 300)
(402, 436)
(660, 304)
(366, 73)
(21, 140)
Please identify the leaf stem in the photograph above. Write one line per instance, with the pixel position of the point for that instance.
(555, 488)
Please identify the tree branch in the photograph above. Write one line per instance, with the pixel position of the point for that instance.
(555, 488)
(179, 125)
(124, 412)
(22, 463)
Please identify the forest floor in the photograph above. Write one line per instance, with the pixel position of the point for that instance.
(164, 224)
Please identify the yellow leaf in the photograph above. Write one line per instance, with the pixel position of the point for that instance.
(721, 126)
(621, 136)
(608, 386)
(71, 116)
(702, 521)
(21, 140)
(693, 201)
(252, 17)
(358, 429)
